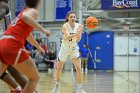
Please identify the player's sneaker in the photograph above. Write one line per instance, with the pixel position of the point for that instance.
(17, 91)
(36, 91)
(80, 90)
(56, 88)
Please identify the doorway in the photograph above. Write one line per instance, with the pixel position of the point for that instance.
(127, 51)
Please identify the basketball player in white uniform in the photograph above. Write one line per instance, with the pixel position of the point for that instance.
(69, 47)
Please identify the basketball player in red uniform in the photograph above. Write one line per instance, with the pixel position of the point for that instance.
(12, 49)
(13, 78)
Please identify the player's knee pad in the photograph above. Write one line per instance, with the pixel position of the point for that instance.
(3, 75)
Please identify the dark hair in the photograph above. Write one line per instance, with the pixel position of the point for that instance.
(70, 12)
(4, 1)
(32, 3)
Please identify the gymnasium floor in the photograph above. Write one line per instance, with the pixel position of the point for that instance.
(93, 82)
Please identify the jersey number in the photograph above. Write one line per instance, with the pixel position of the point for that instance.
(71, 34)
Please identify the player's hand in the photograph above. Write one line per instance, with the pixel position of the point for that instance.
(47, 32)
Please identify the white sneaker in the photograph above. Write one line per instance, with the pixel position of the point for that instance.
(36, 91)
(49, 70)
(86, 70)
(80, 90)
(56, 88)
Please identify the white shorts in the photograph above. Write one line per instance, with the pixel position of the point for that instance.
(67, 50)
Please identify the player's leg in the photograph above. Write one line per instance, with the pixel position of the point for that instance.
(14, 86)
(77, 64)
(59, 68)
(62, 56)
(2, 68)
(75, 57)
(58, 73)
(82, 65)
(28, 68)
(9, 80)
(20, 79)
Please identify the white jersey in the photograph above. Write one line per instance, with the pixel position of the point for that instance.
(72, 41)
(69, 47)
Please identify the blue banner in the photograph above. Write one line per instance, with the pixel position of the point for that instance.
(19, 6)
(61, 9)
(120, 4)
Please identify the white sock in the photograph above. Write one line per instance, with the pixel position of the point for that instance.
(18, 88)
(79, 85)
(58, 82)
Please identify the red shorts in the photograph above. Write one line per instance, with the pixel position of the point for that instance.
(9, 49)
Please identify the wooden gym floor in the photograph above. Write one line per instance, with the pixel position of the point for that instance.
(93, 82)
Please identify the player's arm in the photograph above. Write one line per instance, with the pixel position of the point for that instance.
(30, 17)
(80, 30)
(33, 42)
(66, 32)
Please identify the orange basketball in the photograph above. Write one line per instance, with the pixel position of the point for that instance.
(91, 22)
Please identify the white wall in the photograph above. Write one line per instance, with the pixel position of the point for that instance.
(127, 51)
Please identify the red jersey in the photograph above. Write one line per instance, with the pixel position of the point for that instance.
(9, 47)
(19, 29)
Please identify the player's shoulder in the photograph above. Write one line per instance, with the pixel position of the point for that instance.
(32, 11)
(65, 24)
